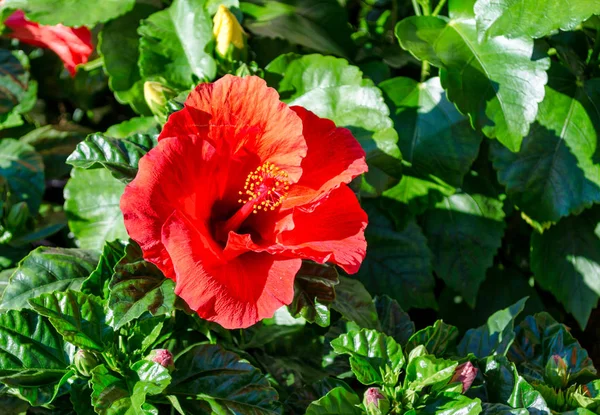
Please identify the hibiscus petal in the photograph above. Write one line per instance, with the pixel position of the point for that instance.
(72, 45)
(333, 232)
(171, 176)
(246, 120)
(334, 157)
(237, 293)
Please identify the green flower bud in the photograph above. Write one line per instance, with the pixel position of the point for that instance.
(557, 372)
(375, 402)
(163, 357)
(84, 362)
(157, 95)
(231, 40)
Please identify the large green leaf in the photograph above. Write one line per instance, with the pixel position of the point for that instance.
(374, 357)
(119, 156)
(97, 282)
(428, 370)
(46, 270)
(355, 303)
(337, 401)
(449, 403)
(496, 82)
(225, 382)
(494, 337)
(514, 18)
(138, 286)
(565, 260)
(394, 321)
(419, 193)
(78, 317)
(32, 353)
(175, 44)
(433, 136)
(92, 205)
(18, 94)
(71, 12)
(110, 395)
(540, 337)
(464, 231)
(333, 89)
(320, 25)
(398, 262)
(119, 45)
(556, 172)
(23, 170)
(439, 339)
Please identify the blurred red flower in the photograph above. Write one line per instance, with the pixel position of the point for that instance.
(72, 45)
(240, 188)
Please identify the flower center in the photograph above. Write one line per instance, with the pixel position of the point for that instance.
(266, 187)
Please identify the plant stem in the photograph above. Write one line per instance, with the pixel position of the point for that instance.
(438, 8)
(424, 71)
(416, 8)
(426, 7)
(595, 52)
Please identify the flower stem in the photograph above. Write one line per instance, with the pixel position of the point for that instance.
(424, 71)
(416, 8)
(438, 8)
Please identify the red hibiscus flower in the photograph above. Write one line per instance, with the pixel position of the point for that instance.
(238, 191)
(73, 46)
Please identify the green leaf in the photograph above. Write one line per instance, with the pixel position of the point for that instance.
(374, 357)
(138, 286)
(495, 82)
(314, 292)
(419, 193)
(439, 339)
(514, 18)
(19, 92)
(78, 317)
(46, 270)
(226, 383)
(428, 370)
(464, 232)
(54, 143)
(81, 397)
(320, 25)
(176, 44)
(433, 136)
(499, 409)
(540, 337)
(355, 303)
(565, 260)
(337, 401)
(119, 156)
(333, 89)
(394, 321)
(92, 206)
(398, 262)
(81, 13)
(152, 379)
(119, 45)
(495, 337)
(110, 395)
(556, 172)
(449, 403)
(32, 352)
(23, 170)
(97, 282)
(136, 125)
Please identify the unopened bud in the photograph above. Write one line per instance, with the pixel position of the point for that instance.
(557, 372)
(464, 374)
(375, 402)
(231, 43)
(84, 362)
(157, 95)
(163, 357)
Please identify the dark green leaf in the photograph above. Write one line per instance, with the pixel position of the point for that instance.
(97, 282)
(81, 397)
(110, 395)
(374, 357)
(313, 292)
(495, 82)
(394, 321)
(19, 92)
(499, 409)
(223, 381)
(138, 286)
(556, 172)
(433, 136)
(78, 317)
(119, 156)
(81, 13)
(92, 205)
(514, 18)
(495, 337)
(337, 401)
(355, 304)
(439, 339)
(565, 260)
(301, 398)
(175, 44)
(398, 262)
(23, 170)
(46, 270)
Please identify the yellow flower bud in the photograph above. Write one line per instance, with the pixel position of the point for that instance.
(157, 95)
(229, 35)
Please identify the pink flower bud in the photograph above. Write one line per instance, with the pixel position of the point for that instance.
(163, 357)
(464, 374)
(375, 402)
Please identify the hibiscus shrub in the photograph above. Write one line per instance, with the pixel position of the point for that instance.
(299, 207)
